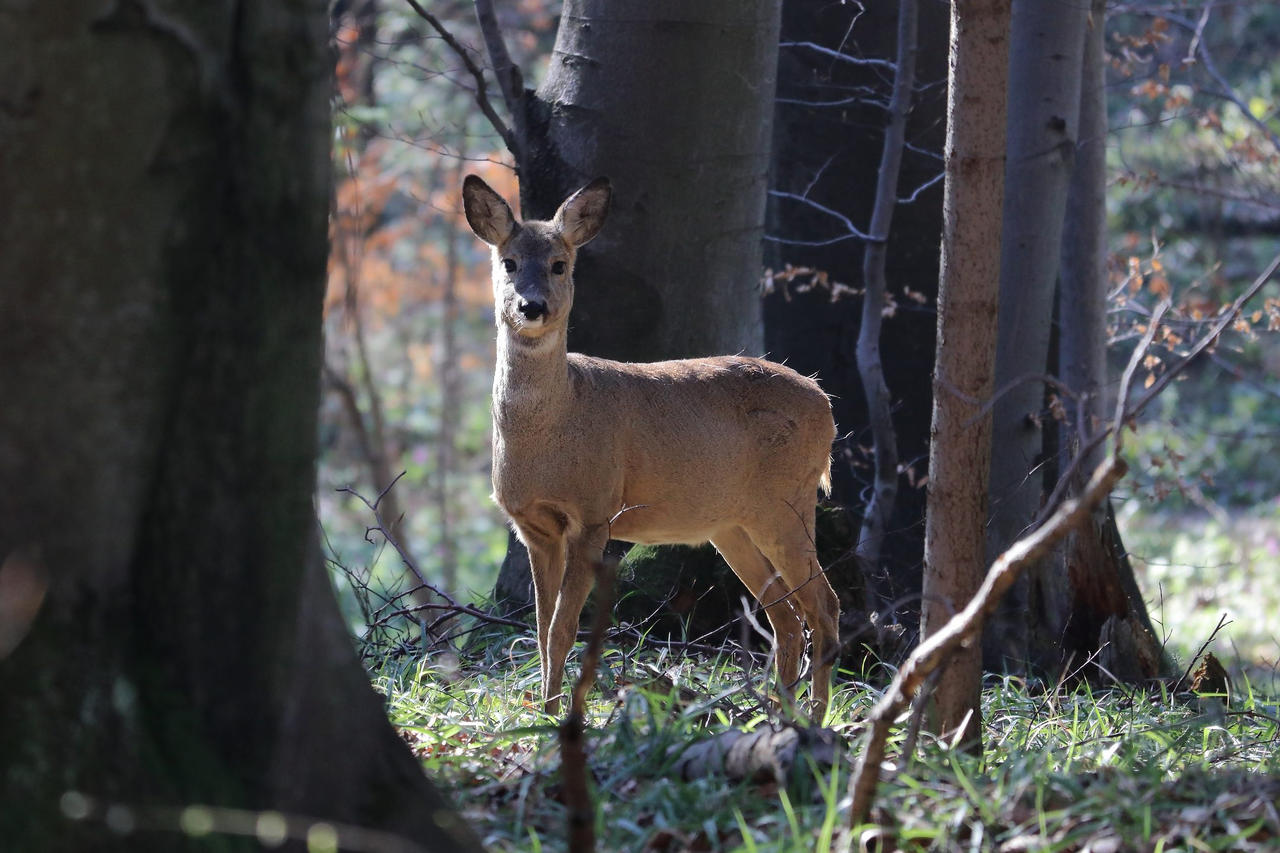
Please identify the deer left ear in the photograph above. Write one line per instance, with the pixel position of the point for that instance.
(487, 213)
(582, 215)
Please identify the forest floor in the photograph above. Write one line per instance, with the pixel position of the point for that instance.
(1064, 768)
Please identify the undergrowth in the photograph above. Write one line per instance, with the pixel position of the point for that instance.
(1069, 768)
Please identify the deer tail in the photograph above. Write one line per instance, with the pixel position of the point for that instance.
(824, 482)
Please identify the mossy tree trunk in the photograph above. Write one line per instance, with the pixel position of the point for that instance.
(162, 260)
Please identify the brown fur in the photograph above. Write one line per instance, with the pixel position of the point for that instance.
(731, 450)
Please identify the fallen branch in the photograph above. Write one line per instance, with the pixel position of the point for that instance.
(966, 628)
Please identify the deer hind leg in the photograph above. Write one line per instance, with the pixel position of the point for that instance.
(584, 550)
(791, 549)
(755, 570)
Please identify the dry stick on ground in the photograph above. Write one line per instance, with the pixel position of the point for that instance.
(573, 753)
(966, 627)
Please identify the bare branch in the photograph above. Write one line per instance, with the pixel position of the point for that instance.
(1226, 91)
(481, 92)
(1226, 319)
(842, 57)
(915, 194)
(853, 231)
(510, 80)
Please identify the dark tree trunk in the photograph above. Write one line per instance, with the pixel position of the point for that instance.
(827, 134)
(162, 253)
(1044, 107)
(1093, 589)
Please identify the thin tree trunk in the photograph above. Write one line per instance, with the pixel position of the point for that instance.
(959, 459)
(162, 253)
(823, 152)
(450, 404)
(1044, 105)
(1083, 284)
(884, 490)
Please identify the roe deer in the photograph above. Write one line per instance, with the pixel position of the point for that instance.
(730, 450)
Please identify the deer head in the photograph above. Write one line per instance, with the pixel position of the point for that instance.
(533, 261)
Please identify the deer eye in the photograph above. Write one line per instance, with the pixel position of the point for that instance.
(558, 268)
(508, 265)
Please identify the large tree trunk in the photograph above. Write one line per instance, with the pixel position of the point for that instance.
(955, 547)
(162, 253)
(673, 101)
(1044, 105)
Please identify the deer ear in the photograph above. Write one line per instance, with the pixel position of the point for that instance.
(487, 214)
(583, 213)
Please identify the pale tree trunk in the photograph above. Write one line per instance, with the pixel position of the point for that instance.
(884, 490)
(673, 102)
(450, 402)
(162, 254)
(1044, 105)
(960, 454)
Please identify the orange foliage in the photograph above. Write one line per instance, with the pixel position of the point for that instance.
(389, 232)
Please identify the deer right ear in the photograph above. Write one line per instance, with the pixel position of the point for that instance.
(487, 213)
(582, 215)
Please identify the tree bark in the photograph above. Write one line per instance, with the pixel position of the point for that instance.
(162, 249)
(674, 102)
(961, 451)
(1044, 106)
(1094, 583)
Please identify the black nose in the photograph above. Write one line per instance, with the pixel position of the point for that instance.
(533, 309)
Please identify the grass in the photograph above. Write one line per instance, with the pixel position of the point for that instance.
(1065, 769)
(1196, 568)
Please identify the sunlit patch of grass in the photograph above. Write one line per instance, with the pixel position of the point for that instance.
(1062, 768)
(1195, 569)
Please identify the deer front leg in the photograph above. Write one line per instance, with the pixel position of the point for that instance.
(546, 562)
(584, 550)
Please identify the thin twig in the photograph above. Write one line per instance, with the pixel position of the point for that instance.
(481, 93)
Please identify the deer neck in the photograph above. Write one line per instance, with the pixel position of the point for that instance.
(531, 380)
